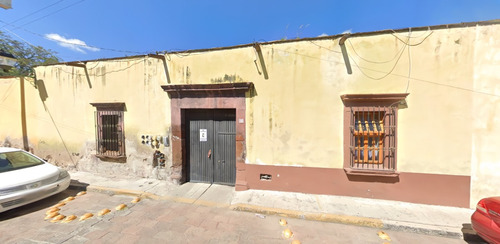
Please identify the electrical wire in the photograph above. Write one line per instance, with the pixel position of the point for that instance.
(22, 39)
(7, 92)
(383, 76)
(412, 34)
(32, 13)
(407, 45)
(108, 72)
(393, 74)
(325, 47)
(59, 10)
(59, 133)
(408, 42)
(76, 44)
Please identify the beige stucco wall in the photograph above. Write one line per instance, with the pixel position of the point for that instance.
(486, 120)
(294, 117)
(67, 126)
(10, 112)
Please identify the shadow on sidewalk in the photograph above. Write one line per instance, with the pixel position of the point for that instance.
(77, 185)
(470, 235)
(36, 206)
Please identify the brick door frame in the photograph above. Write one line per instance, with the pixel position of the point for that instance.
(207, 96)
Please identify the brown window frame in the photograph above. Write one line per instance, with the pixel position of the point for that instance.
(110, 133)
(370, 133)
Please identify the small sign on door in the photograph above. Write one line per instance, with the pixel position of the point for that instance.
(203, 134)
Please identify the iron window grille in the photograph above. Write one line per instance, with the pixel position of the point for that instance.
(370, 133)
(110, 136)
(372, 143)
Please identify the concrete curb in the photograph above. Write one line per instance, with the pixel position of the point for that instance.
(324, 217)
(443, 231)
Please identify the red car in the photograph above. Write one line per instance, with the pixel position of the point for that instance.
(486, 219)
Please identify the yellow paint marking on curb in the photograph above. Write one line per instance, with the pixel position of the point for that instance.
(102, 189)
(344, 219)
(353, 220)
(150, 196)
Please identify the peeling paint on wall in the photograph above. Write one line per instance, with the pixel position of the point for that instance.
(227, 79)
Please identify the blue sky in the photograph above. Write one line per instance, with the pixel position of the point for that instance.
(114, 28)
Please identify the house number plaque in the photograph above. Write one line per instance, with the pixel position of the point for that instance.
(203, 134)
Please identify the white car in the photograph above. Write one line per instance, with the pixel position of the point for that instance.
(26, 178)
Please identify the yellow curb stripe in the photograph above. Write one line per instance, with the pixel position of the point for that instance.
(334, 218)
(115, 191)
(344, 219)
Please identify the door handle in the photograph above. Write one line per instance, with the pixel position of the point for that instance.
(209, 153)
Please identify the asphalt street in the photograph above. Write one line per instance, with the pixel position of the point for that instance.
(163, 221)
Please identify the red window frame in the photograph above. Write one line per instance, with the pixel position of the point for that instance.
(370, 133)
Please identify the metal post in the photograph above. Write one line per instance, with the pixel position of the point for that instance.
(23, 116)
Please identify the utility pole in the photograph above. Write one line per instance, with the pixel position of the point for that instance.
(23, 116)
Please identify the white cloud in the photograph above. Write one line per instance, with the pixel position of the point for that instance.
(322, 35)
(347, 31)
(73, 44)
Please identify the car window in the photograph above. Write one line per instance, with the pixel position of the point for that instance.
(17, 160)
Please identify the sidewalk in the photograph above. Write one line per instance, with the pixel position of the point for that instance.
(426, 219)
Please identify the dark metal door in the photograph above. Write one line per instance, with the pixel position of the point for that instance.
(225, 145)
(200, 147)
(212, 146)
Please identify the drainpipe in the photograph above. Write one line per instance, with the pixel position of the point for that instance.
(344, 53)
(23, 116)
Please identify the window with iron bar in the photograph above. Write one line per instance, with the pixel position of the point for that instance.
(372, 139)
(110, 136)
(370, 133)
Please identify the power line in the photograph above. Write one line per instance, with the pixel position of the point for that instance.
(404, 76)
(382, 77)
(408, 42)
(18, 36)
(76, 44)
(59, 10)
(32, 13)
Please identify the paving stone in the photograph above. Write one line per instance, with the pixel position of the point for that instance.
(96, 234)
(152, 221)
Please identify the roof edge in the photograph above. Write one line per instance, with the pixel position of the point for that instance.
(358, 34)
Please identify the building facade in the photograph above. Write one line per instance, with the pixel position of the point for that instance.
(407, 115)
